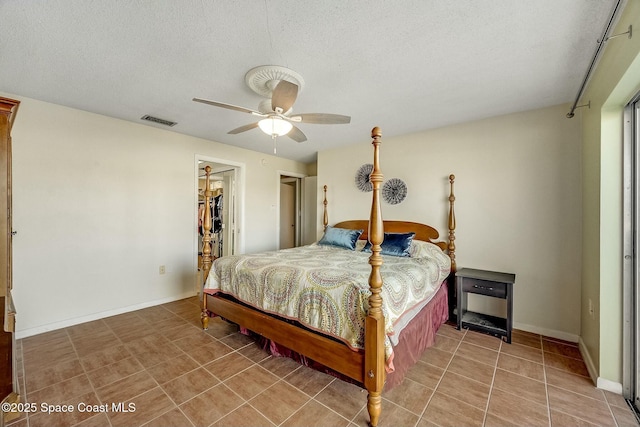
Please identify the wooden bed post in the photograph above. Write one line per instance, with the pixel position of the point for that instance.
(452, 225)
(207, 259)
(451, 249)
(374, 371)
(325, 215)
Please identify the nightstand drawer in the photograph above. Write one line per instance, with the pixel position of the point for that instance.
(484, 287)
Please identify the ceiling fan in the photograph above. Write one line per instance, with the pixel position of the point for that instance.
(282, 86)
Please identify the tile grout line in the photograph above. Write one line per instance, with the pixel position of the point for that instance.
(220, 382)
(312, 398)
(501, 349)
(466, 331)
(615, 420)
(84, 370)
(243, 401)
(24, 381)
(493, 379)
(144, 369)
(281, 379)
(247, 401)
(272, 385)
(546, 387)
(364, 406)
(158, 385)
(91, 382)
(568, 390)
(266, 389)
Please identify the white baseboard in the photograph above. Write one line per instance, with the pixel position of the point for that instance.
(24, 333)
(609, 385)
(591, 367)
(601, 383)
(551, 333)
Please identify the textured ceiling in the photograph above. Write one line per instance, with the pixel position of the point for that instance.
(405, 66)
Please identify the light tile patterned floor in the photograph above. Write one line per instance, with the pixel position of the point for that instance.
(174, 374)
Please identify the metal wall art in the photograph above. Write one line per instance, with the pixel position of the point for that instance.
(394, 191)
(363, 181)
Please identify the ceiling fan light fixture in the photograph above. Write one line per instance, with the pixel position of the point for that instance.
(275, 126)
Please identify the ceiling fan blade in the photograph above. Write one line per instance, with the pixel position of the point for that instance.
(284, 95)
(297, 135)
(321, 118)
(243, 128)
(229, 107)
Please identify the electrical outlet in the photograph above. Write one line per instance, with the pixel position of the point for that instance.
(162, 269)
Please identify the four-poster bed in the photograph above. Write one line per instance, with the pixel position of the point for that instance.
(367, 359)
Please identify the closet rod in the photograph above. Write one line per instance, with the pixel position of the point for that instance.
(612, 19)
(225, 170)
(232, 168)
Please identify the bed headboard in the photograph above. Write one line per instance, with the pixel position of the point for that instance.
(423, 232)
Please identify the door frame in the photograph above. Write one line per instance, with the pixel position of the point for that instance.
(239, 199)
(298, 202)
(631, 263)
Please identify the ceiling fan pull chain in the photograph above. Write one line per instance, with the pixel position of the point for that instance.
(274, 143)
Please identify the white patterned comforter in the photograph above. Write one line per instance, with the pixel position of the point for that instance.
(326, 288)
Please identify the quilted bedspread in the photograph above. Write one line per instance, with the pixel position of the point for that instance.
(326, 288)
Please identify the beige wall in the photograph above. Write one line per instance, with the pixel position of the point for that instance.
(99, 204)
(615, 81)
(518, 207)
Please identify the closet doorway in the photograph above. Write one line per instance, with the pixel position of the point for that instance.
(225, 184)
(297, 209)
(290, 211)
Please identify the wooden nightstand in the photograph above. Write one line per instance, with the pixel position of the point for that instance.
(491, 284)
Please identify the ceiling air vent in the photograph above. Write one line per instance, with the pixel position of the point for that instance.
(159, 121)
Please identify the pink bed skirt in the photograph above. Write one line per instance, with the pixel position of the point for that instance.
(418, 335)
(415, 338)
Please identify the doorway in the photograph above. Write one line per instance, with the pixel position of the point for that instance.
(290, 211)
(297, 210)
(226, 187)
(222, 181)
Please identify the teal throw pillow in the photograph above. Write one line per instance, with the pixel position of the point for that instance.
(340, 237)
(394, 244)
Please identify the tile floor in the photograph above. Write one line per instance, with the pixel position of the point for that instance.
(160, 365)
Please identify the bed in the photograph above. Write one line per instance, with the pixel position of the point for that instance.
(338, 319)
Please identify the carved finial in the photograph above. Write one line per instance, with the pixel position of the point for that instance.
(452, 178)
(376, 132)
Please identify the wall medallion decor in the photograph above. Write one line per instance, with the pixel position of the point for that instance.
(363, 181)
(394, 191)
